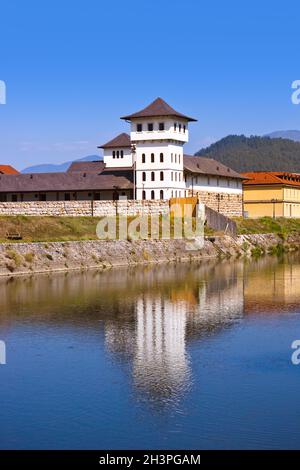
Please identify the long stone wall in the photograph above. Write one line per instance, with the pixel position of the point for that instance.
(230, 205)
(84, 208)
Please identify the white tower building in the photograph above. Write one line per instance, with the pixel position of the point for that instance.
(158, 134)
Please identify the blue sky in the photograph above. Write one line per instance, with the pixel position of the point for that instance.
(72, 68)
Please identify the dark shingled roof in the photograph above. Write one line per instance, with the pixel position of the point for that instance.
(86, 167)
(44, 182)
(122, 140)
(157, 108)
(208, 166)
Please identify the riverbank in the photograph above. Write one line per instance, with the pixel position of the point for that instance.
(40, 257)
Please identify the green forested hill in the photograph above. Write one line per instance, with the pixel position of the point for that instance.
(255, 153)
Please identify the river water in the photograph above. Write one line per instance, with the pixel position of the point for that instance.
(176, 356)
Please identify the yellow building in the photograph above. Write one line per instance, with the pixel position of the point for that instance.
(273, 194)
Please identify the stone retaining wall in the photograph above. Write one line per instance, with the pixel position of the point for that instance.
(28, 258)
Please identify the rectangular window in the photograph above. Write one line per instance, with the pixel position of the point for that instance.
(150, 126)
(14, 198)
(175, 126)
(161, 126)
(67, 197)
(42, 197)
(139, 127)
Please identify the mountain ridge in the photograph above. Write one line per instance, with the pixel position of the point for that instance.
(60, 167)
(255, 153)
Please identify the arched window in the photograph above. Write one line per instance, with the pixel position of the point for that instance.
(171, 175)
(175, 157)
(161, 157)
(161, 194)
(143, 158)
(175, 126)
(152, 194)
(144, 195)
(118, 154)
(161, 176)
(179, 127)
(183, 129)
(122, 154)
(179, 176)
(179, 158)
(175, 176)
(152, 157)
(152, 176)
(114, 154)
(144, 176)
(171, 157)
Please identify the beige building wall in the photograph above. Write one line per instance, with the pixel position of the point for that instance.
(264, 201)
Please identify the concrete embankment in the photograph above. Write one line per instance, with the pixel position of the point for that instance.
(28, 258)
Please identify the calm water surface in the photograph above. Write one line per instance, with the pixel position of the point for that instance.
(189, 356)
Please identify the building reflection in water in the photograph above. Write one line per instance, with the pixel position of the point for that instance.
(152, 316)
(165, 321)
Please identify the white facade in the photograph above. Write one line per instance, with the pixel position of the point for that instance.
(155, 151)
(117, 157)
(214, 184)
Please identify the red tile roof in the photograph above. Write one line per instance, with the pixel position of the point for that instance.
(157, 108)
(272, 177)
(8, 170)
(122, 140)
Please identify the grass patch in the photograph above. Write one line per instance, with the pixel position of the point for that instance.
(62, 229)
(280, 226)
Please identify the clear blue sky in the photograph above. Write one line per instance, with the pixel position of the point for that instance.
(72, 68)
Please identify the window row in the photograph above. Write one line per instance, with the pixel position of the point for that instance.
(118, 154)
(218, 181)
(175, 176)
(161, 158)
(150, 127)
(152, 194)
(175, 158)
(161, 176)
(179, 127)
(176, 193)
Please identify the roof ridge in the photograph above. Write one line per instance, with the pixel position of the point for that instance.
(158, 107)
